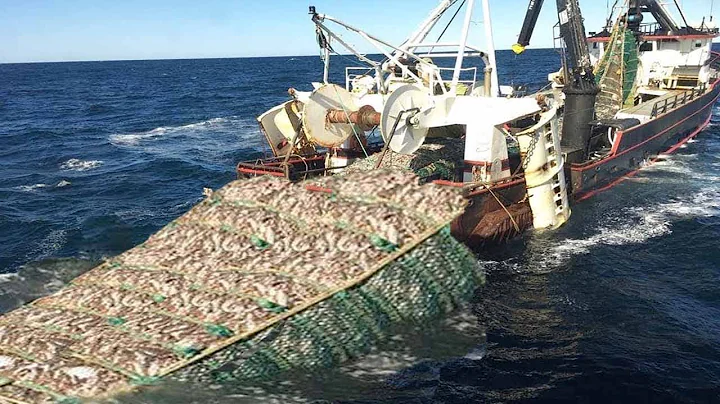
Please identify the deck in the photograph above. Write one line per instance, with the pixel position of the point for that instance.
(648, 108)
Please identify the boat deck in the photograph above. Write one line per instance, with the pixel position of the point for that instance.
(647, 107)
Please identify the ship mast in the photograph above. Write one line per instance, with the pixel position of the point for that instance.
(490, 43)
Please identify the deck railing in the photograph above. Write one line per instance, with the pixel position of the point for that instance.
(679, 99)
(651, 28)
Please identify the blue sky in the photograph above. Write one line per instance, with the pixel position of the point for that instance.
(55, 30)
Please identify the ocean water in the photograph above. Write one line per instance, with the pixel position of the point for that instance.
(620, 305)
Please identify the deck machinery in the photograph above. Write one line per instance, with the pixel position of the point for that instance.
(424, 92)
(631, 91)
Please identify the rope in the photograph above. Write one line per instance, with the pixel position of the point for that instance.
(512, 219)
(351, 125)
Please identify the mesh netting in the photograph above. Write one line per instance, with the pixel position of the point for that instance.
(437, 159)
(616, 73)
(263, 276)
(430, 280)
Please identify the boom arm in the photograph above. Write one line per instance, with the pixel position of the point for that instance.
(531, 17)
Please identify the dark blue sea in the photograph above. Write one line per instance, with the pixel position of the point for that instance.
(621, 305)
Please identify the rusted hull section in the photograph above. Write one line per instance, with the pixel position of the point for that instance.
(494, 216)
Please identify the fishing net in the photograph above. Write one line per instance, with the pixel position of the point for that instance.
(437, 159)
(616, 73)
(262, 277)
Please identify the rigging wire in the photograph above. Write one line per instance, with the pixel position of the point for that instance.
(611, 14)
(323, 41)
(451, 20)
(682, 14)
(712, 6)
(448, 26)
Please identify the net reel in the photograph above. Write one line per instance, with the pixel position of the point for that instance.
(403, 122)
(404, 125)
(327, 100)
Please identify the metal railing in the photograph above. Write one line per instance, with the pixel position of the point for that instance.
(652, 28)
(472, 70)
(680, 99)
(350, 76)
(352, 73)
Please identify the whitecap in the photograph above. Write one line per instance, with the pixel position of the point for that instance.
(10, 277)
(137, 138)
(208, 123)
(30, 188)
(80, 165)
(133, 139)
(637, 225)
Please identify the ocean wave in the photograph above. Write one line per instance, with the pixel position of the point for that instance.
(135, 139)
(136, 215)
(34, 187)
(80, 165)
(96, 109)
(48, 246)
(39, 278)
(636, 225)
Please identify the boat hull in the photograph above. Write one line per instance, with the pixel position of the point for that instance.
(644, 143)
(494, 216)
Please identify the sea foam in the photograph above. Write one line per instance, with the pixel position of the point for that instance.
(636, 225)
(80, 165)
(137, 138)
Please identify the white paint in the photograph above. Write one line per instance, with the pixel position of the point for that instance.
(495, 83)
(545, 174)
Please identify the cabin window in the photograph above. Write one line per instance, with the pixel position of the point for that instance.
(595, 45)
(698, 44)
(646, 47)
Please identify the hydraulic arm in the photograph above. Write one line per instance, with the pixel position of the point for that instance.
(531, 17)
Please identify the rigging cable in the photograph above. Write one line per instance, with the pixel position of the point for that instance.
(448, 26)
(682, 14)
(712, 6)
(451, 20)
(611, 14)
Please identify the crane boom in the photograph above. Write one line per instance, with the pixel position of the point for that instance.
(531, 17)
(572, 31)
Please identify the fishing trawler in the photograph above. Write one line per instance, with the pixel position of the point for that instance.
(634, 91)
(624, 97)
(298, 269)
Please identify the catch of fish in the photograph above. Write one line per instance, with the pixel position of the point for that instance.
(262, 277)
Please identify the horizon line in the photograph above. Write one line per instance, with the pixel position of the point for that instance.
(193, 58)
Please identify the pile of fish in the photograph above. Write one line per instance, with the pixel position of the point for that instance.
(438, 158)
(256, 256)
